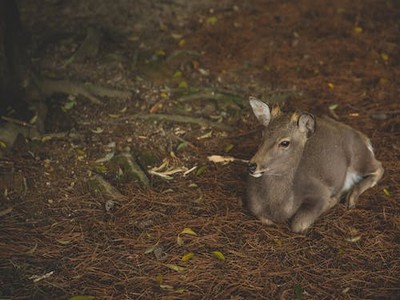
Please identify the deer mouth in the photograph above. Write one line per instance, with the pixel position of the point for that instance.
(256, 175)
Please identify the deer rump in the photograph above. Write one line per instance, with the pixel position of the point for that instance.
(305, 165)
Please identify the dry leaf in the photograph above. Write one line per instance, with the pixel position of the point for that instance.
(219, 255)
(188, 230)
(187, 256)
(175, 267)
(354, 239)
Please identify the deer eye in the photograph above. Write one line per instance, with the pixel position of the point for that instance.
(284, 144)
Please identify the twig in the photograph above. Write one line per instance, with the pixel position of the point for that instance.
(18, 122)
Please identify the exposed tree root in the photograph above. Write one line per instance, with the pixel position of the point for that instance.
(90, 91)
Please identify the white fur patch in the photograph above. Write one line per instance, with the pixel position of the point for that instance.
(351, 179)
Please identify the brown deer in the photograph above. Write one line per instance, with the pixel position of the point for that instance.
(305, 165)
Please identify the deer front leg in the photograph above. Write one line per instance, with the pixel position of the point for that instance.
(308, 213)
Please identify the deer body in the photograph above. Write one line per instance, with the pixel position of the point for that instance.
(304, 166)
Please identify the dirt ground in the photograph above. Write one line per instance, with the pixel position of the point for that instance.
(74, 222)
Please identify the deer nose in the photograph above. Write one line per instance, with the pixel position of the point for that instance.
(251, 168)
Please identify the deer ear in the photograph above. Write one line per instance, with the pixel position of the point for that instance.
(260, 110)
(307, 124)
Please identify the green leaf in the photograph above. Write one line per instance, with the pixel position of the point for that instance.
(101, 169)
(201, 170)
(188, 230)
(386, 192)
(183, 85)
(178, 74)
(82, 298)
(229, 147)
(219, 255)
(69, 105)
(212, 20)
(298, 292)
(187, 256)
(159, 53)
(182, 145)
(176, 268)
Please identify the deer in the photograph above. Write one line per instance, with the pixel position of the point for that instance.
(305, 165)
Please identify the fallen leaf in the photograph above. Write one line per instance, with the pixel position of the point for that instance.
(357, 29)
(187, 256)
(182, 145)
(331, 85)
(228, 148)
(332, 110)
(386, 192)
(69, 105)
(188, 230)
(385, 56)
(33, 120)
(159, 53)
(150, 249)
(106, 158)
(354, 239)
(63, 242)
(212, 20)
(176, 36)
(175, 267)
(201, 170)
(101, 169)
(156, 107)
(218, 254)
(82, 298)
(345, 290)
(97, 130)
(183, 85)
(177, 74)
(167, 287)
(159, 278)
(205, 136)
(182, 43)
(179, 241)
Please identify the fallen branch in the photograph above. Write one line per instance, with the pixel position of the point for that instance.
(182, 119)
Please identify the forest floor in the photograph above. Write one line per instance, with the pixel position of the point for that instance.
(75, 221)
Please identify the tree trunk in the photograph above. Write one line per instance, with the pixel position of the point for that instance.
(15, 67)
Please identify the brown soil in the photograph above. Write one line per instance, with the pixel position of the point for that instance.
(307, 54)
